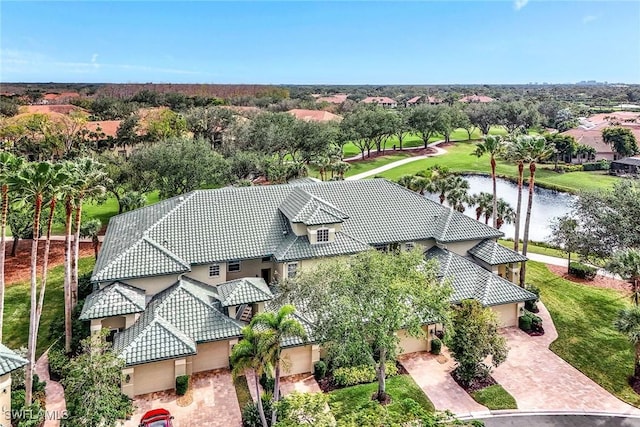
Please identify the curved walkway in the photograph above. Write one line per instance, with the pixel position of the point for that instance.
(56, 406)
(540, 380)
(376, 171)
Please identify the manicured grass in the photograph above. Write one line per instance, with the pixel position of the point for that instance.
(459, 158)
(495, 397)
(367, 165)
(536, 248)
(16, 309)
(351, 399)
(584, 317)
(242, 391)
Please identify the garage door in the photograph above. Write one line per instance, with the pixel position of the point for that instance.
(297, 360)
(507, 314)
(152, 377)
(211, 355)
(409, 344)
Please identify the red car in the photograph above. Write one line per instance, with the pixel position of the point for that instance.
(156, 418)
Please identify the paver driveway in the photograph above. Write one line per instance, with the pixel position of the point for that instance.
(214, 404)
(540, 380)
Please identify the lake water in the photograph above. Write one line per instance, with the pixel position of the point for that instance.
(547, 205)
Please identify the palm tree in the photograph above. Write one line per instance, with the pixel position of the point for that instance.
(506, 214)
(628, 323)
(31, 183)
(517, 152)
(405, 181)
(91, 229)
(494, 146)
(457, 198)
(282, 325)
(132, 200)
(69, 197)
(420, 184)
(254, 351)
(537, 151)
(340, 168)
(449, 184)
(484, 202)
(90, 179)
(9, 165)
(322, 162)
(627, 265)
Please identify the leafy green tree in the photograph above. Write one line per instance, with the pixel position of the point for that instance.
(359, 304)
(120, 174)
(20, 222)
(283, 325)
(450, 119)
(132, 200)
(518, 115)
(92, 386)
(628, 323)
(425, 121)
(483, 115)
(127, 133)
(400, 125)
(566, 233)
(484, 202)
(565, 146)
(166, 125)
(178, 166)
(254, 351)
(627, 264)
(209, 123)
(622, 140)
(494, 146)
(585, 152)
(474, 338)
(367, 127)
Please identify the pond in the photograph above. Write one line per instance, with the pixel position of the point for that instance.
(547, 205)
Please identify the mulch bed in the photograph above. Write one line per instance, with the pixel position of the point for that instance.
(327, 384)
(634, 382)
(599, 281)
(537, 333)
(17, 268)
(387, 152)
(477, 385)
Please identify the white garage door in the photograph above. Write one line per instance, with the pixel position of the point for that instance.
(211, 355)
(507, 314)
(155, 376)
(409, 344)
(297, 360)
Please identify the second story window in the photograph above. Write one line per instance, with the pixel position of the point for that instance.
(233, 266)
(292, 269)
(409, 246)
(214, 270)
(323, 235)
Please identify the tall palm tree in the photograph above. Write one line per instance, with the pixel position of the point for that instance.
(484, 202)
(448, 184)
(90, 178)
(69, 197)
(457, 198)
(517, 152)
(628, 323)
(506, 214)
(31, 183)
(282, 325)
(254, 351)
(537, 151)
(91, 229)
(9, 165)
(627, 264)
(494, 146)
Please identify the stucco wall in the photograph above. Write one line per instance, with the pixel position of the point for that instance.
(201, 273)
(507, 314)
(154, 376)
(298, 360)
(410, 344)
(153, 285)
(5, 399)
(211, 355)
(460, 248)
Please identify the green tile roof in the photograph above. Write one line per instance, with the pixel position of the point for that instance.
(236, 223)
(9, 360)
(174, 321)
(494, 253)
(469, 280)
(298, 247)
(243, 291)
(115, 299)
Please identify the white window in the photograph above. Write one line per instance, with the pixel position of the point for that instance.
(214, 270)
(292, 269)
(409, 246)
(233, 266)
(323, 235)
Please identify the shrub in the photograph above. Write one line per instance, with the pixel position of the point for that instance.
(569, 168)
(524, 322)
(582, 271)
(267, 382)
(251, 416)
(353, 375)
(33, 414)
(182, 384)
(436, 346)
(58, 362)
(530, 322)
(319, 369)
(532, 305)
(596, 166)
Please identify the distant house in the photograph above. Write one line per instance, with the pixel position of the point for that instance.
(58, 98)
(476, 98)
(314, 115)
(626, 166)
(383, 101)
(589, 131)
(337, 98)
(431, 100)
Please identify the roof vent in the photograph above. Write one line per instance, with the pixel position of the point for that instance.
(181, 198)
(285, 232)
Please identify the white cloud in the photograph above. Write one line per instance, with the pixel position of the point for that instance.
(589, 18)
(94, 60)
(519, 4)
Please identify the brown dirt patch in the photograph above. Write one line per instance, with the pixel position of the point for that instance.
(599, 281)
(17, 269)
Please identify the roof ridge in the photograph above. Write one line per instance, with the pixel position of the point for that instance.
(185, 198)
(175, 331)
(166, 251)
(124, 295)
(118, 258)
(283, 253)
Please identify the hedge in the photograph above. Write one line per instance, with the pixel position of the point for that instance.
(582, 271)
(349, 376)
(182, 384)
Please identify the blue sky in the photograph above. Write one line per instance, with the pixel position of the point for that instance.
(427, 42)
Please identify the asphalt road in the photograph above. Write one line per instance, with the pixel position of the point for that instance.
(561, 421)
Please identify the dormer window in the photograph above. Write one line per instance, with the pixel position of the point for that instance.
(233, 266)
(322, 235)
(214, 270)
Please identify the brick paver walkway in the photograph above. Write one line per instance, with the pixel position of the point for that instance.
(303, 383)
(214, 404)
(540, 380)
(56, 405)
(434, 378)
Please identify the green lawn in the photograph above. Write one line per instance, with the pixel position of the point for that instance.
(459, 158)
(16, 308)
(584, 318)
(536, 248)
(351, 399)
(495, 397)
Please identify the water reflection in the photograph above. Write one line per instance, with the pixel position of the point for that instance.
(547, 204)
